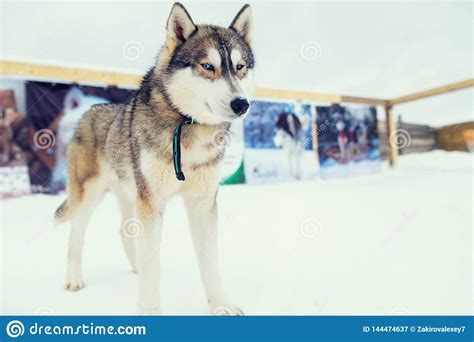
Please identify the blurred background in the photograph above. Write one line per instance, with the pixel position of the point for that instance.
(363, 206)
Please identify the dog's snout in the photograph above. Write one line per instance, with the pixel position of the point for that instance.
(239, 105)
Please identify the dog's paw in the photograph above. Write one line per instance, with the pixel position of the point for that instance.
(148, 311)
(224, 309)
(74, 286)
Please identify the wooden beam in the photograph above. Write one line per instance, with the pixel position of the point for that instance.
(322, 97)
(67, 74)
(296, 95)
(90, 76)
(432, 92)
(364, 100)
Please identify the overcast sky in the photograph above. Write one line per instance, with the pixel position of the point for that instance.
(373, 49)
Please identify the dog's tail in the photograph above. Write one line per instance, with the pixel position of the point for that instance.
(63, 213)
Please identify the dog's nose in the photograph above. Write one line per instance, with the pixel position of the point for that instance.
(239, 105)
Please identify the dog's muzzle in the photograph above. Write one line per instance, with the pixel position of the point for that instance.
(239, 105)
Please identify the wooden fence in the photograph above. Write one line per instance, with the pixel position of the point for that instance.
(105, 78)
(453, 137)
(421, 138)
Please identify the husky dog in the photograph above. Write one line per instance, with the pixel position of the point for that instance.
(289, 136)
(203, 72)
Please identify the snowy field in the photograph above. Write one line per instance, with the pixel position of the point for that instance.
(269, 166)
(398, 242)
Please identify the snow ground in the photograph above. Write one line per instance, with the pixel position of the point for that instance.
(398, 242)
(273, 166)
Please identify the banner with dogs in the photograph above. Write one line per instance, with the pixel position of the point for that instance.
(54, 112)
(33, 144)
(348, 142)
(279, 143)
(273, 144)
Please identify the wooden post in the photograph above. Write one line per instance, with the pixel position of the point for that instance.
(391, 136)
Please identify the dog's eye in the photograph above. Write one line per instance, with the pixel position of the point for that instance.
(240, 66)
(207, 66)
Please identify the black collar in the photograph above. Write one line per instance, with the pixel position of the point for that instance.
(177, 146)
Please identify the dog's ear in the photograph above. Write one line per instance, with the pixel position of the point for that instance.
(180, 26)
(242, 24)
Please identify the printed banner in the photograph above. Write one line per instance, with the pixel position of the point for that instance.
(59, 107)
(279, 143)
(14, 181)
(54, 111)
(348, 142)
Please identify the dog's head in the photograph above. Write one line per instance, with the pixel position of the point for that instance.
(208, 70)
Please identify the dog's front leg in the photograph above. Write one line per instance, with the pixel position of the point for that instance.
(202, 215)
(148, 259)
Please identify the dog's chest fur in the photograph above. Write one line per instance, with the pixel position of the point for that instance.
(200, 160)
(200, 145)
